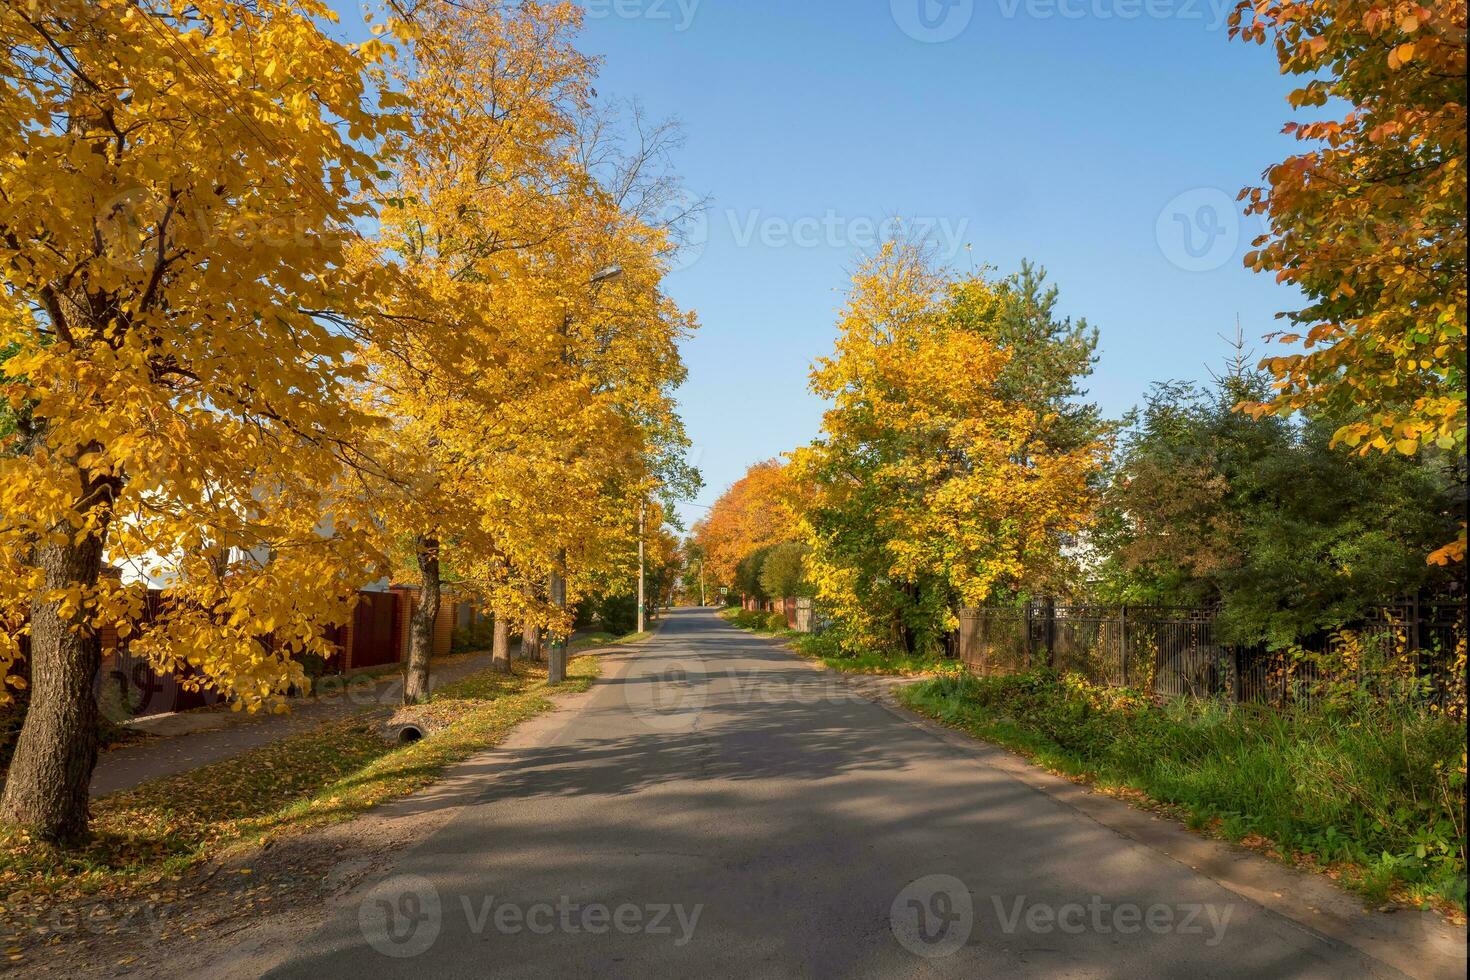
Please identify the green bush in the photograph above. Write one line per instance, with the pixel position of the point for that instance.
(618, 614)
(1378, 786)
(478, 636)
(776, 622)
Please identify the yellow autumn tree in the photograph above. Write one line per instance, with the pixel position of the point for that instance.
(933, 484)
(177, 194)
(486, 183)
(528, 355)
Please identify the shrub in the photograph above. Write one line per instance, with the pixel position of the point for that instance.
(618, 614)
(776, 622)
(477, 636)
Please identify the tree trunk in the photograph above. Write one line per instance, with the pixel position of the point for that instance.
(47, 786)
(421, 625)
(530, 632)
(500, 645)
(556, 664)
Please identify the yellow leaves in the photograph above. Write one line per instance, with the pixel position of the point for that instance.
(926, 470)
(1401, 55)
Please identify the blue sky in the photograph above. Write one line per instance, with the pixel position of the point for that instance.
(1104, 139)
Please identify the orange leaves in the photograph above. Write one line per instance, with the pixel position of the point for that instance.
(1452, 553)
(1369, 223)
(757, 510)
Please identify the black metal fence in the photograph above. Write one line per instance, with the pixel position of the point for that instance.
(1405, 650)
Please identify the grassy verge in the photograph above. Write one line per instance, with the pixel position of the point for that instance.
(1373, 796)
(824, 647)
(754, 622)
(601, 639)
(321, 776)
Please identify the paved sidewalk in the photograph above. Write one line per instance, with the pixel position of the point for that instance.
(187, 740)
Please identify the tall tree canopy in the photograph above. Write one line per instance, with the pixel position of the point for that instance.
(174, 210)
(954, 461)
(525, 365)
(1262, 517)
(1369, 220)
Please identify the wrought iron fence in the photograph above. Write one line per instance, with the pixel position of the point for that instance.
(1405, 650)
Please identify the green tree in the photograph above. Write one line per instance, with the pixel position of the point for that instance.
(783, 573)
(957, 455)
(1263, 516)
(748, 575)
(1051, 355)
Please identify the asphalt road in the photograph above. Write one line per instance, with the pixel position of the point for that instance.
(716, 807)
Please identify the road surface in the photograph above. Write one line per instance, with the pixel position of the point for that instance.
(716, 807)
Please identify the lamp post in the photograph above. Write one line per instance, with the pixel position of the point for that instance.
(641, 576)
(556, 662)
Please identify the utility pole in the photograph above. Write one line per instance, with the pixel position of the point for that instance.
(701, 583)
(640, 566)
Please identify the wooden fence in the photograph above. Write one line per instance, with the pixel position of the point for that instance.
(1409, 649)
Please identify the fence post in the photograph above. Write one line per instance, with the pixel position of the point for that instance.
(1049, 610)
(1415, 631)
(1123, 640)
(1030, 638)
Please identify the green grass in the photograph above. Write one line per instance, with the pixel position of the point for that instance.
(824, 647)
(1371, 794)
(755, 622)
(325, 775)
(604, 639)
